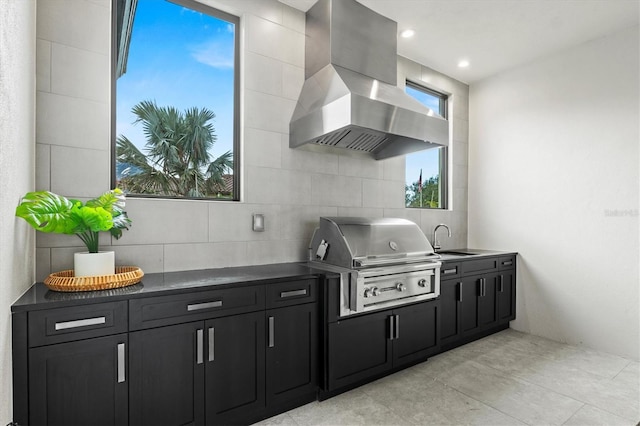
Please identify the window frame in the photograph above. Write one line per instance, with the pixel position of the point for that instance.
(207, 10)
(443, 157)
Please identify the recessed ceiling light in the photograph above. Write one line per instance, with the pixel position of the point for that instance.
(407, 33)
(463, 63)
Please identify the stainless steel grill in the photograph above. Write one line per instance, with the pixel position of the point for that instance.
(382, 262)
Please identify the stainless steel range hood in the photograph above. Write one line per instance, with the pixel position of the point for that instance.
(350, 100)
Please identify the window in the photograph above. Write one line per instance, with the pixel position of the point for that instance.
(175, 125)
(426, 171)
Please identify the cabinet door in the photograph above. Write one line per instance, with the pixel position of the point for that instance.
(292, 352)
(469, 290)
(416, 332)
(79, 383)
(358, 349)
(167, 375)
(449, 318)
(487, 300)
(506, 295)
(235, 367)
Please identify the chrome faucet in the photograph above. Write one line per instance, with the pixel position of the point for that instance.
(436, 245)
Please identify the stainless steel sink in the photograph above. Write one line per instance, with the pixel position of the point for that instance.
(456, 253)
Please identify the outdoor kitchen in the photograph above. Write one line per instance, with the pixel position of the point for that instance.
(304, 270)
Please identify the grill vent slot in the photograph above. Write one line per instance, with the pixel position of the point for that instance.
(332, 139)
(367, 142)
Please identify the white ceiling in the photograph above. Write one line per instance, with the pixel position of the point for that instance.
(495, 35)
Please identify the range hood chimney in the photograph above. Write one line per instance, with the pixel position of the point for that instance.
(350, 100)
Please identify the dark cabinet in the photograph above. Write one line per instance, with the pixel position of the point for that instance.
(166, 377)
(225, 370)
(477, 298)
(234, 367)
(450, 310)
(198, 373)
(229, 355)
(486, 299)
(468, 289)
(415, 333)
(358, 348)
(370, 345)
(79, 383)
(506, 295)
(291, 353)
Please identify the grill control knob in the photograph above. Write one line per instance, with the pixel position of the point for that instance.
(400, 287)
(422, 282)
(375, 291)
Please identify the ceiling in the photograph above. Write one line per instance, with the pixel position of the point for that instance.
(495, 35)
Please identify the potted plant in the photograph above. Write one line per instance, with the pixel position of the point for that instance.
(49, 212)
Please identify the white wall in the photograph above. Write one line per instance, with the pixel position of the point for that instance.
(291, 187)
(553, 174)
(17, 127)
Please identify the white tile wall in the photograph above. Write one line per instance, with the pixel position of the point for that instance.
(84, 170)
(43, 65)
(292, 188)
(79, 73)
(69, 121)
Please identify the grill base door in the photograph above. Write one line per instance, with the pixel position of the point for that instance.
(358, 349)
(418, 333)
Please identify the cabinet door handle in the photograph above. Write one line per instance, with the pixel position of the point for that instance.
(391, 326)
(449, 271)
(199, 345)
(205, 305)
(482, 282)
(459, 292)
(501, 289)
(292, 293)
(121, 361)
(80, 323)
(397, 324)
(212, 344)
(272, 321)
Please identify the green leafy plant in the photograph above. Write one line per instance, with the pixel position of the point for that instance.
(49, 212)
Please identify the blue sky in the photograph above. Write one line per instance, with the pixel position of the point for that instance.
(182, 58)
(427, 160)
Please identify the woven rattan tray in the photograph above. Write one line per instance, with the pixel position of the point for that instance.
(66, 281)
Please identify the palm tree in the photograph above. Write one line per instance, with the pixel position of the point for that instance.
(178, 160)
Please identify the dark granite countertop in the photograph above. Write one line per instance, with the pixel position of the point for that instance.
(38, 296)
(458, 254)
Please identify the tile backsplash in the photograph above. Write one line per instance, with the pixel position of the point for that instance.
(292, 188)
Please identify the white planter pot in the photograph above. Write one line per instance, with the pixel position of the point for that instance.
(87, 264)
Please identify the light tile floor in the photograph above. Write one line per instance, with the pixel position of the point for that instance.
(509, 378)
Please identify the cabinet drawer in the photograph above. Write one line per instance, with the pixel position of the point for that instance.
(479, 265)
(166, 310)
(507, 262)
(291, 293)
(449, 270)
(77, 322)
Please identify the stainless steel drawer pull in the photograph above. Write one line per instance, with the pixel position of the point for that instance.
(508, 263)
(449, 271)
(199, 345)
(205, 305)
(272, 327)
(212, 344)
(80, 323)
(121, 367)
(292, 293)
